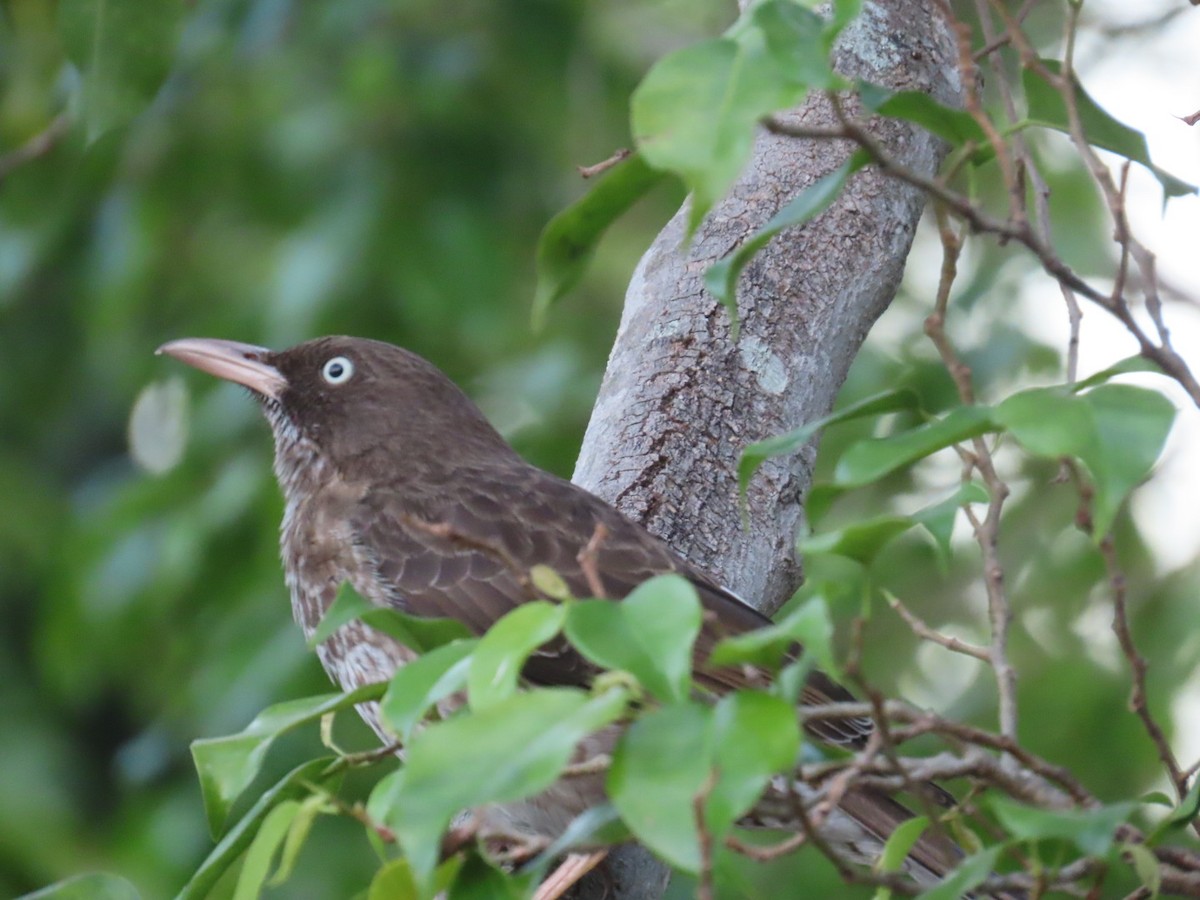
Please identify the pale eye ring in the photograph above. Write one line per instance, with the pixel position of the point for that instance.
(338, 370)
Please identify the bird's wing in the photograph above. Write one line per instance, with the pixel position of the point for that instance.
(446, 551)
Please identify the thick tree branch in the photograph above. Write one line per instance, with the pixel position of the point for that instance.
(681, 399)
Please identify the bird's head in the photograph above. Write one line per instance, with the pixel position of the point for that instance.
(357, 401)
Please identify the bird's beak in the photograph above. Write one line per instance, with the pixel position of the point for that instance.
(243, 364)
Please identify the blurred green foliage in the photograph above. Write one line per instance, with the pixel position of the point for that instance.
(270, 170)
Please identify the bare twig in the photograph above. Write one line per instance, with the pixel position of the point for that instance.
(605, 164)
(36, 147)
(587, 558)
(923, 631)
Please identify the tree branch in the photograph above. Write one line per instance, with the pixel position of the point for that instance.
(680, 399)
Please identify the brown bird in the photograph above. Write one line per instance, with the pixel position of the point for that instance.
(396, 483)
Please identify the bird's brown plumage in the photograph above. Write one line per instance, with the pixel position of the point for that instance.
(396, 482)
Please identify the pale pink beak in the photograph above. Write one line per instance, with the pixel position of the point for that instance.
(242, 364)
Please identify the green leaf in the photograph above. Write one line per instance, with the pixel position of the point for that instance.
(899, 842)
(296, 836)
(93, 886)
(594, 826)
(870, 460)
(423, 682)
(1181, 815)
(659, 767)
(696, 111)
(1091, 830)
(262, 850)
(1046, 107)
(938, 518)
(480, 880)
(568, 242)
(844, 12)
(860, 541)
(968, 874)
(415, 632)
(1188, 809)
(1048, 422)
(227, 765)
(784, 444)
(124, 49)
(1146, 864)
(511, 749)
(394, 881)
(755, 735)
(1129, 365)
(648, 634)
(498, 658)
(954, 126)
(1131, 427)
(722, 277)
(796, 42)
(808, 625)
(296, 784)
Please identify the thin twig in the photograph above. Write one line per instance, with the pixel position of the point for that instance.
(605, 164)
(589, 563)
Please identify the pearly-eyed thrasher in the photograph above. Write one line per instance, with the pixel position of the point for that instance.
(396, 483)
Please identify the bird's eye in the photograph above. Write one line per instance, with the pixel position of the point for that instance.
(337, 370)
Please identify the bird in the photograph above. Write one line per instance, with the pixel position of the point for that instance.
(395, 482)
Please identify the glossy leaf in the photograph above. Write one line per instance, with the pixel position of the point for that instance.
(425, 681)
(568, 242)
(659, 766)
(509, 750)
(899, 842)
(227, 765)
(1047, 421)
(938, 518)
(797, 42)
(648, 634)
(496, 663)
(968, 874)
(415, 632)
(755, 735)
(296, 784)
(860, 540)
(257, 864)
(1129, 365)
(1147, 866)
(871, 459)
(1046, 107)
(696, 111)
(597, 825)
(478, 879)
(808, 625)
(394, 881)
(1091, 831)
(1131, 427)
(955, 126)
(785, 444)
(297, 836)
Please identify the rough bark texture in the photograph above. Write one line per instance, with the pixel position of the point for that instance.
(680, 399)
